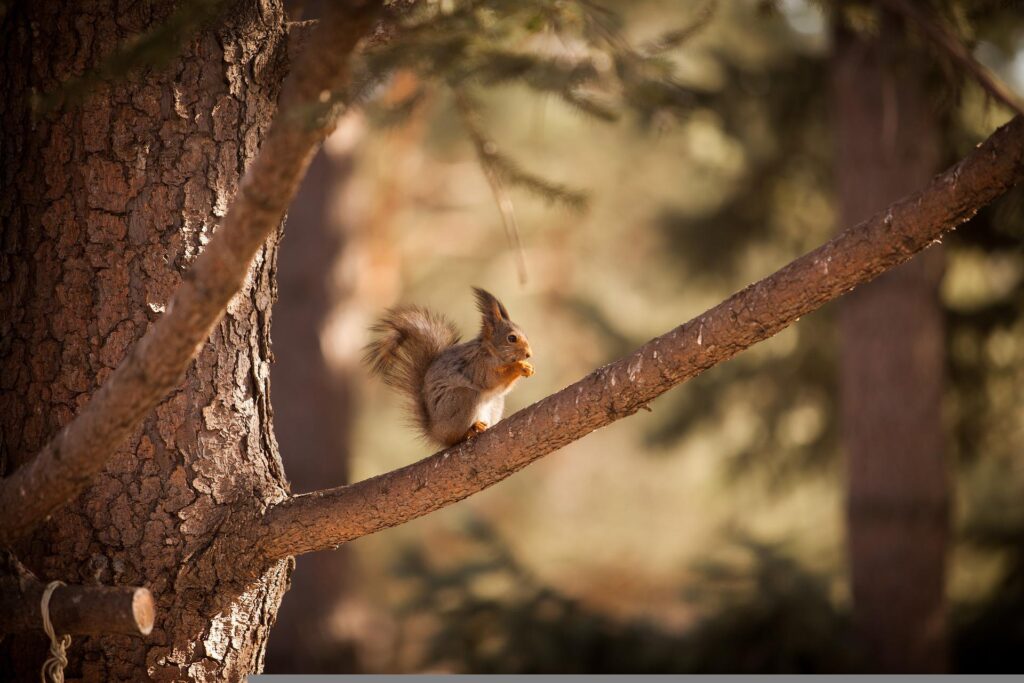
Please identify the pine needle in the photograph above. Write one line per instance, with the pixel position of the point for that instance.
(947, 41)
(484, 147)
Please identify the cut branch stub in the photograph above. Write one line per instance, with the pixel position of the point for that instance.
(91, 610)
(326, 519)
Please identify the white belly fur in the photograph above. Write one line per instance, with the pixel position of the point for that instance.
(491, 407)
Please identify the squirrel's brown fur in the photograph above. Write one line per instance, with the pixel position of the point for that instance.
(410, 339)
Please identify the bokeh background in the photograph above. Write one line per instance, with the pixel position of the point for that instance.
(708, 535)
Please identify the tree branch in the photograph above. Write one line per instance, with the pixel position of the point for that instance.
(326, 519)
(307, 112)
(947, 41)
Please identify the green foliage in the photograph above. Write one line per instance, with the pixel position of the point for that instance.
(759, 611)
(574, 51)
(770, 616)
(988, 631)
(504, 169)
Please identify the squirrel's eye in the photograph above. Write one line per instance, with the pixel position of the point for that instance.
(512, 339)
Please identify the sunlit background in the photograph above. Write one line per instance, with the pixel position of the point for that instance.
(707, 535)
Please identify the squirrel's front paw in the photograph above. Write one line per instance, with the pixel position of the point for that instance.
(525, 368)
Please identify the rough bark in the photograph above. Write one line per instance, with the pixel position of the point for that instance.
(891, 365)
(107, 212)
(328, 518)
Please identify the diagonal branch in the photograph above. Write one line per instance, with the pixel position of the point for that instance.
(325, 519)
(307, 112)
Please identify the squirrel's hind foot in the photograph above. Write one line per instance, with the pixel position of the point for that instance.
(475, 428)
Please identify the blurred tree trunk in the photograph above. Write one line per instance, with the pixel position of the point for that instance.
(337, 265)
(314, 401)
(105, 205)
(892, 359)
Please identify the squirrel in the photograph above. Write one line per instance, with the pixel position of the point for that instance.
(455, 391)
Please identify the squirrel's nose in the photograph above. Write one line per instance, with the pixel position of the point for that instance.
(528, 352)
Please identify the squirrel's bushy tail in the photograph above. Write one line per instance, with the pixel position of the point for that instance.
(409, 340)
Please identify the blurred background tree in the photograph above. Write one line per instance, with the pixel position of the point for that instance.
(891, 351)
(611, 170)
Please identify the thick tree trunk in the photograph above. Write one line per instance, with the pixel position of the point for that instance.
(105, 206)
(892, 365)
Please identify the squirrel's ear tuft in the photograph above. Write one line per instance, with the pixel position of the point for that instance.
(490, 308)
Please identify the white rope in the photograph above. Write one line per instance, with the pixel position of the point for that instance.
(53, 667)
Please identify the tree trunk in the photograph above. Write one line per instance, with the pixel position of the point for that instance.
(105, 205)
(891, 367)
